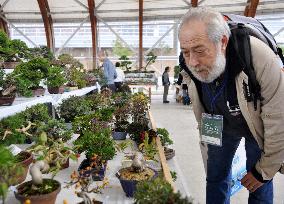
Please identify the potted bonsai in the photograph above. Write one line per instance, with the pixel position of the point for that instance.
(29, 75)
(158, 191)
(73, 71)
(137, 172)
(38, 190)
(124, 64)
(74, 106)
(55, 80)
(166, 140)
(150, 59)
(101, 145)
(41, 52)
(121, 115)
(12, 52)
(7, 88)
(83, 182)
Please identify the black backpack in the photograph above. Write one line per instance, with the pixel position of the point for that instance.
(241, 28)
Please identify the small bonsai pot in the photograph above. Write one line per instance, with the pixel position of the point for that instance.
(119, 135)
(10, 65)
(7, 100)
(56, 90)
(39, 91)
(47, 197)
(97, 173)
(27, 160)
(129, 185)
(169, 153)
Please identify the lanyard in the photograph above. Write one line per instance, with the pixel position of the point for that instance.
(214, 98)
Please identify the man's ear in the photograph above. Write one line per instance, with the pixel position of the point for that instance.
(224, 43)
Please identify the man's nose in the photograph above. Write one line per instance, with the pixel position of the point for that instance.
(193, 61)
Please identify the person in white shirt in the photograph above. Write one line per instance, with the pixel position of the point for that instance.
(120, 76)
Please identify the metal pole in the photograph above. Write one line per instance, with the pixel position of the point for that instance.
(4, 19)
(71, 36)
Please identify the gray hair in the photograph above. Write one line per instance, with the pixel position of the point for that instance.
(216, 24)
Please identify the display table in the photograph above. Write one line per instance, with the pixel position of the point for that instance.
(21, 103)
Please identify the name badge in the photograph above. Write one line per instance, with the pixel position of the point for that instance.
(211, 129)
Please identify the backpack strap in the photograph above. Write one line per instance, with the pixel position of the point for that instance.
(241, 41)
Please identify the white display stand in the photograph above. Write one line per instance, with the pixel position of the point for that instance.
(21, 103)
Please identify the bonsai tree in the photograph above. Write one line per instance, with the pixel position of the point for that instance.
(73, 70)
(122, 112)
(41, 52)
(55, 130)
(29, 75)
(12, 50)
(97, 143)
(125, 63)
(158, 191)
(7, 84)
(74, 106)
(150, 59)
(164, 136)
(55, 79)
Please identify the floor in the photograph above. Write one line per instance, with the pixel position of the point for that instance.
(180, 122)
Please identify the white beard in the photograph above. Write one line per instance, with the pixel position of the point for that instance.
(216, 70)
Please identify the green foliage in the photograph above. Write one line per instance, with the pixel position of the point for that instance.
(125, 62)
(7, 83)
(139, 108)
(37, 113)
(74, 106)
(174, 175)
(164, 136)
(29, 74)
(41, 52)
(97, 143)
(150, 59)
(176, 71)
(55, 129)
(122, 111)
(120, 50)
(55, 77)
(148, 148)
(12, 50)
(158, 191)
(73, 70)
(9, 171)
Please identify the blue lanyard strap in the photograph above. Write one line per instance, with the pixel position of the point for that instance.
(214, 98)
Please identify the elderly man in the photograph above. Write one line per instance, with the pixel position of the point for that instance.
(224, 115)
(109, 70)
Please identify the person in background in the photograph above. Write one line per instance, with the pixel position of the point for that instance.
(166, 84)
(109, 70)
(120, 76)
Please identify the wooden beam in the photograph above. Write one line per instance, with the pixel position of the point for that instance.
(140, 53)
(253, 7)
(194, 3)
(247, 8)
(93, 20)
(48, 23)
(163, 160)
(3, 24)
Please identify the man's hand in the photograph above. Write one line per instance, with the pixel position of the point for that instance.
(250, 182)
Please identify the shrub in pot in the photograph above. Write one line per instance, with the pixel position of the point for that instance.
(8, 88)
(55, 80)
(166, 140)
(38, 190)
(158, 191)
(137, 172)
(73, 70)
(41, 52)
(29, 75)
(74, 106)
(97, 143)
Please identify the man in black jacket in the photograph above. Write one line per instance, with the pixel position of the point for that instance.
(166, 84)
